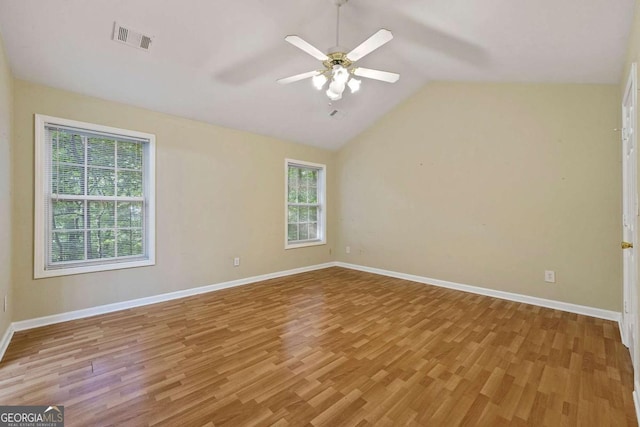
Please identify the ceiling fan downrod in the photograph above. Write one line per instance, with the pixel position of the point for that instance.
(338, 4)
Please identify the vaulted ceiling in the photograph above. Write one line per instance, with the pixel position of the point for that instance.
(218, 61)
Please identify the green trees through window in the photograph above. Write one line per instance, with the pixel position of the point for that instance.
(304, 202)
(97, 197)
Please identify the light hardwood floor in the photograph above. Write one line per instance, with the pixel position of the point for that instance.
(331, 347)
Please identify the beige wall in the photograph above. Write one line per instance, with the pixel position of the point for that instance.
(490, 185)
(220, 194)
(5, 188)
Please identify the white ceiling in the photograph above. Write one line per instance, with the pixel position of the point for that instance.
(218, 61)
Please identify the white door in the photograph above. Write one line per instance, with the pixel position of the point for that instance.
(629, 214)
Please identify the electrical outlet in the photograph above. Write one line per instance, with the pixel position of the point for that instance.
(236, 261)
(550, 276)
(348, 249)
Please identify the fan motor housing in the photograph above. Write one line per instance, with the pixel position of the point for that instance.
(337, 58)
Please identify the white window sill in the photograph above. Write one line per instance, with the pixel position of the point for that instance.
(41, 274)
(296, 245)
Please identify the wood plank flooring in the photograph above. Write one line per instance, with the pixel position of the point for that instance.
(333, 347)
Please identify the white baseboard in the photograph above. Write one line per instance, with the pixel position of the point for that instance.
(109, 308)
(6, 339)
(558, 305)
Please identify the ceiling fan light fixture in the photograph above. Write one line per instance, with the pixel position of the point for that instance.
(340, 74)
(319, 81)
(339, 65)
(335, 91)
(354, 84)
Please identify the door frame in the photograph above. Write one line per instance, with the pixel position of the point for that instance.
(629, 325)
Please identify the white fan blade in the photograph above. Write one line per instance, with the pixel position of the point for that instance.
(297, 77)
(384, 76)
(370, 44)
(311, 50)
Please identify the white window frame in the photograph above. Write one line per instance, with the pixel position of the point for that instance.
(322, 201)
(42, 192)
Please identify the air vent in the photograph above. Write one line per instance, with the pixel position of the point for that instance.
(133, 38)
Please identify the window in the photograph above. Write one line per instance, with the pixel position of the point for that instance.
(94, 198)
(305, 204)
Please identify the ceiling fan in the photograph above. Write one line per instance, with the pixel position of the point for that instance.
(338, 65)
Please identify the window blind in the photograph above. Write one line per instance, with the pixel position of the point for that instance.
(95, 200)
(304, 204)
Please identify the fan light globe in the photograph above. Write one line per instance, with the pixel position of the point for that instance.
(354, 85)
(319, 81)
(335, 90)
(334, 95)
(339, 78)
(340, 74)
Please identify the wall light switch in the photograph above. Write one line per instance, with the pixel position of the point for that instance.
(236, 261)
